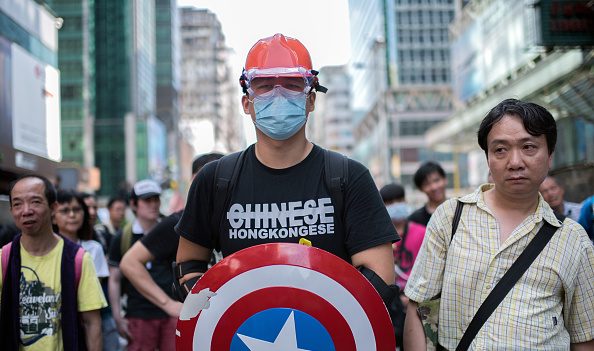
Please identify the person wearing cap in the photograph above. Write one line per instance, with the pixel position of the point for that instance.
(281, 183)
(159, 244)
(145, 326)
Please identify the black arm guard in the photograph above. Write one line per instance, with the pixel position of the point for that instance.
(180, 291)
(391, 296)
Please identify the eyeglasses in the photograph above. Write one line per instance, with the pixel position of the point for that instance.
(67, 210)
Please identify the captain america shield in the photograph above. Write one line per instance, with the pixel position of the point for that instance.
(285, 297)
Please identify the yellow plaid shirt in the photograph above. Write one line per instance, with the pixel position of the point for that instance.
(551, 306)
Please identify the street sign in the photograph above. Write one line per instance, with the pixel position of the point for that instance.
(284, 297)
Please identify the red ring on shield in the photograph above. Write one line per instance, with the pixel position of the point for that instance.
(283, 275)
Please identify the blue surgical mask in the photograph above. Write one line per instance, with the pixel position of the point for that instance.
(280, 113)
(398, 211)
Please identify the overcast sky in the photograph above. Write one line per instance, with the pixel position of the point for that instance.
(321, 25)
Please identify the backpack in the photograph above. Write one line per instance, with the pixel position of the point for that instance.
(126, 240)
(73, 333)
(78, 261)
(227, 172)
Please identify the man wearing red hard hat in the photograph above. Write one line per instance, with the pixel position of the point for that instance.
(283, 187)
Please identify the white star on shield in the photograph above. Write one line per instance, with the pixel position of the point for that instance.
(286, 340)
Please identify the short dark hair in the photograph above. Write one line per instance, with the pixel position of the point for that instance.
(392, 192)
(85, 232)
(535, 118)
(202, 160)
(425, 170)
(49, 191)
(114, 199)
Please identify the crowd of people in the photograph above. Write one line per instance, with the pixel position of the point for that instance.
(72, 282)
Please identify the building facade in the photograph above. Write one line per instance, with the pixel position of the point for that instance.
(76, 62)
(209, 92)
(30, 138)
(331, 124)
(411, 56)
(167, 64)
(130, 140)
(497, 56)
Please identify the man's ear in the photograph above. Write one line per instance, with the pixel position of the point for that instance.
(311, 102)
(245, 102)
(53, 207)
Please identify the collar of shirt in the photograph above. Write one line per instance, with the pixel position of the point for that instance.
(136, 227)
(543, 210)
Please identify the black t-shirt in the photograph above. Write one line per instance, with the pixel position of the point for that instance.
(162, 241)
(160, 270)
(283, 205)
(420, 216)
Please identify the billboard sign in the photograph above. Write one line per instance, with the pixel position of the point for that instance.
(35, 106)
(566, 22)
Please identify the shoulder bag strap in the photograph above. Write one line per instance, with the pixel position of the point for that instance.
(506, 283)
(456, 219)
(126, 239)
(5, 257)
(78, 263)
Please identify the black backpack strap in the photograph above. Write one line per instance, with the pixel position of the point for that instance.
(456, 219)
(225, 178)
(336, 170)
(560, 217)
(507, 282)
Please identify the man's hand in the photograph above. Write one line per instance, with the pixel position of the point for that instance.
(122, 325)
(173, 308)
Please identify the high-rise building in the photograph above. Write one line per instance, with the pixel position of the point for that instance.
(368, 60)
(331, 124)
(401, 55)
(543, 54)
(29, 92)
(130, 141)
(209, 92)
(76, 61)
(167, 30)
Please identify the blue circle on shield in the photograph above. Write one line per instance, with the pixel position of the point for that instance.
(281, 329)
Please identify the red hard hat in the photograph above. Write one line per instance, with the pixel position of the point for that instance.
(278, 51)
(279, 56)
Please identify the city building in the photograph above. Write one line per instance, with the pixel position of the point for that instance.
(29, 91)
(209, 92)
(130, 140)
(401, 86)
(76, 62)
(541, 54)
(168, 46)
(368, 55)
(331, 125)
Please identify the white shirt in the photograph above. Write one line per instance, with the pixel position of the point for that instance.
(96, 251)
